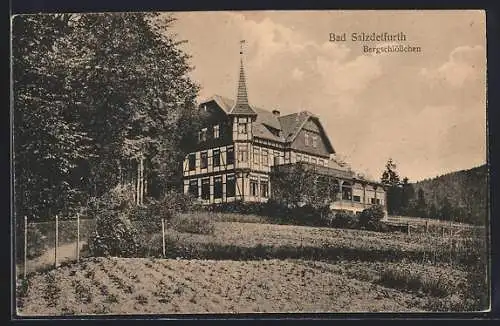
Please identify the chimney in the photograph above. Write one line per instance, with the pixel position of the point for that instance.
(276, 113)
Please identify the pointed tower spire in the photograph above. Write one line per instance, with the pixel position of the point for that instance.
(241, 106)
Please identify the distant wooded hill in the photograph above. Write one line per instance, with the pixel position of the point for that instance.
(460, 196)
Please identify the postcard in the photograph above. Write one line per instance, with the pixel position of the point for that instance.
(249, 162)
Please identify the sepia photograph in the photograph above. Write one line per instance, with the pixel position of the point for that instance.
(249, 162)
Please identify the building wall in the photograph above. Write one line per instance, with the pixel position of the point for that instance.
(210, 169)
(250, 167)
(243, 189)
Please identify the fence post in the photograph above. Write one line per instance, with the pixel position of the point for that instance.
(443, 230)
(56, 241)
(163, 235)
(426, 227)
(78, 237)
(25, 245)
(408, 227)
(451, 228)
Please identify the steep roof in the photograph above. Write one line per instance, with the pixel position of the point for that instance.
(270, 126)
(241, 107)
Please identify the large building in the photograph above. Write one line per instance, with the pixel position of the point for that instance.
(239, 144)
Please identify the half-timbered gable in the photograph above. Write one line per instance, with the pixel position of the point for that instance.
(311, 139)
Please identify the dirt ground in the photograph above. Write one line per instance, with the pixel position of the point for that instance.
(65, 253)
(166, 286)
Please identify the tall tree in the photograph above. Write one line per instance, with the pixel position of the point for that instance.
(421, 206)
(94, 91)
(391, 180)
(407, 194)
(138, 99)
(48, 143)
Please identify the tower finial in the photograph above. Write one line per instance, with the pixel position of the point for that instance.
(241, 105)
(241, 46)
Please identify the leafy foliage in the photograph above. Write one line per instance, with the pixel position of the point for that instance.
(345, 220)
(297, 185)
(459, 196)
(371, 217)
(90, 92)
(114, 234)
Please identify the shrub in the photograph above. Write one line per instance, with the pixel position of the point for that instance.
(198, 223)
(113, 234)
(371, 218)
(343, 219)
(169, 205)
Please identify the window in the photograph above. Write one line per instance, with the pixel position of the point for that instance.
(192, 161)
(254, 187)
(306, 139)
(265, 157)
(264, 188)
(299, 157)
(256, 157)
(216, 157)
(242, 153)
(356, 198)
(203, 135)
(313, 160)
(193, 188)
(276, 160)
(204, 160)
(242, 127)
(321, 162)
(315, 141)
(346, 193)
(205, 188)
(230, 186)
(377, 201)
(230, 155)
(217, 187)
(216, 132)
(373, 201)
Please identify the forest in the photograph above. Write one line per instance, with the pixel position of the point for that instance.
(93, 94)
(460, 196)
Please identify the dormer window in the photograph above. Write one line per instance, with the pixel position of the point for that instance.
(306, 139)
(216, 131)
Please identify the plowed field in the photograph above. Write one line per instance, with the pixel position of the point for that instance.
(167, 286)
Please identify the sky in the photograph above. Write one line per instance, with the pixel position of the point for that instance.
(425, 110)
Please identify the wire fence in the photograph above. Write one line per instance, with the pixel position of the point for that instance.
(412, 225)
(44, 244)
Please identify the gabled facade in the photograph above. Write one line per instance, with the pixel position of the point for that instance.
(239, 144)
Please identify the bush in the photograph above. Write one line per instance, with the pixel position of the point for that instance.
(168, 206)
(345, 220)
(371, 218)
(198, 223)
(114, 234)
